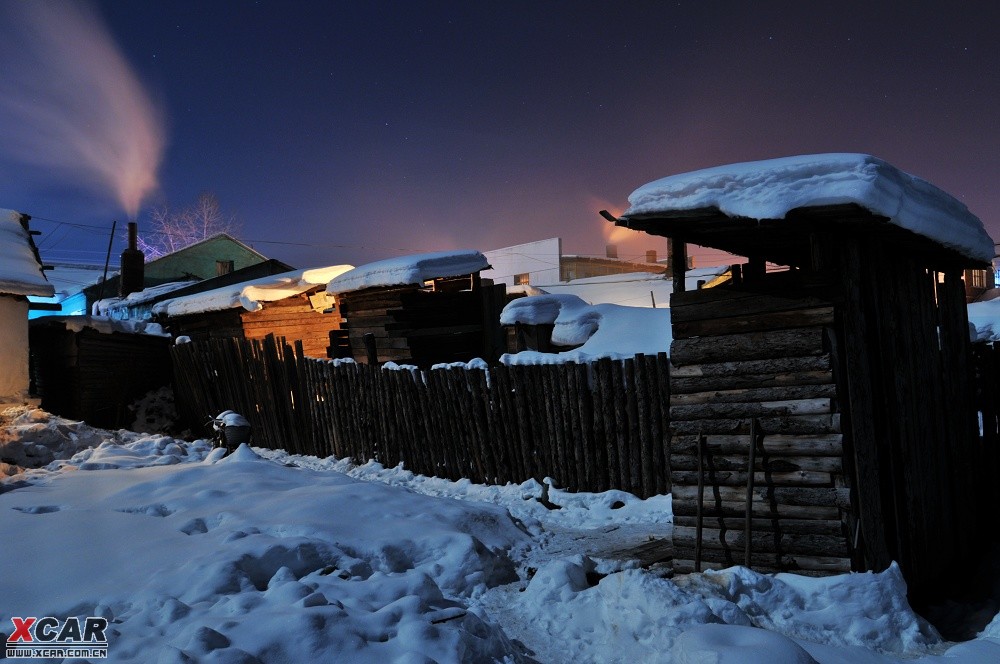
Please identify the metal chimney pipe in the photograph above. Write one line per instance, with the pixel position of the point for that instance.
(133, 266)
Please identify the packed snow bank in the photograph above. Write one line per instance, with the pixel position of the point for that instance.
(263, 556)
(770, 189)
(244, 559)
(406, 270)
(603, 330)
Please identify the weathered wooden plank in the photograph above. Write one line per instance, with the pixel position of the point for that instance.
(730, 410)
(760, 394)
(764, 542)
(683, 563)
(716, 303)
(812, 496)
(823, 464)
(791, 424)
(750, 346)
(720, 477)
(828, 527)
(796, 318)
(749, 381)
(780, 365)
(687, 506)
(778, 444)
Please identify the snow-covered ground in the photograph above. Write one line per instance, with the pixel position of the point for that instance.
(263, 556)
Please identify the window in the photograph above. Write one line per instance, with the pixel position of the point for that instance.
(522, 279)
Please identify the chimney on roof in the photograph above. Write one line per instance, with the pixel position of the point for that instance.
(651, 255)
(611, 251)
(133, 264)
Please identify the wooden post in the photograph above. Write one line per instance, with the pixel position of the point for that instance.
(699, 509)
(678, 263)
(748, 522)
(370, 351)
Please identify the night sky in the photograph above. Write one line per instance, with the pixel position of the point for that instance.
(353, 131)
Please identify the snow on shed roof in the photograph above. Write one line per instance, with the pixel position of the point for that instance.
(250, 294)
(406, 270)
(770, 189)
(20, 273)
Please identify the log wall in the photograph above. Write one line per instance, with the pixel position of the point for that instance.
(757, 454)
(413, 325)
(293, 318)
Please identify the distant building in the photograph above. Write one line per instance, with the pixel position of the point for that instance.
(978, 282)
(213, 257)
(543, 262)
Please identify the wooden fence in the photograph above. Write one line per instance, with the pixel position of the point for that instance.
(588, 427)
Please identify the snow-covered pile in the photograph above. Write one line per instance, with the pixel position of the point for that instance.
(20, 273)
(770, 189)
(604, 330)
(406, 270)
(251, 294)
(262, 556)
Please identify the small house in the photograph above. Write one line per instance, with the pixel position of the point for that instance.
(212, 257)
(821, 410)
(20, 276)
(293, 305)
(423, 309)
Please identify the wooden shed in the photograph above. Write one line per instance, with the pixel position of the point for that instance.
(423, 309)
(821, 405)
(92, 369)
(293, 305)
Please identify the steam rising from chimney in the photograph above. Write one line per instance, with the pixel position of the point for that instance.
(70, 105)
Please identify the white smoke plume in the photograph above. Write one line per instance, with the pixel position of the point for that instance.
(71, 107)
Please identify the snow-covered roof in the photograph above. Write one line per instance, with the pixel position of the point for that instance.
(250, 294)
(20, 273)
(770, 189)
(103, 307)
(406, 270)
(604, 330)
(631, 289)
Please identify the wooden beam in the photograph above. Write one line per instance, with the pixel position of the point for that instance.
(678, 263)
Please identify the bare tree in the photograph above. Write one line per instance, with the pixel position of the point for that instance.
(173, 229)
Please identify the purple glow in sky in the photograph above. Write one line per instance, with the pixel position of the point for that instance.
(345, 132)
